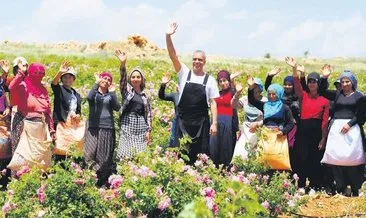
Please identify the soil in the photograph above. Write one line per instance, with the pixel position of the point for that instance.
(333, 206)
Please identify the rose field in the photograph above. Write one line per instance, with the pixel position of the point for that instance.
(158, 183)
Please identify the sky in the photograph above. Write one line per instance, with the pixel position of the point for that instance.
(219, 27)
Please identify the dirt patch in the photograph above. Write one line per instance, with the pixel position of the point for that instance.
(334, 206)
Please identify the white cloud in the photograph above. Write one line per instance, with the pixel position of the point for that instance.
(263, 28)
(328, 39)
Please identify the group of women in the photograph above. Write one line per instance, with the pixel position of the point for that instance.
(325, 145)
(33, 126)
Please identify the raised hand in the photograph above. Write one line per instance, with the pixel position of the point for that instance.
(234, 75)
(238, 88)
(274, 71)
(250, 80)
(120, 55)
(301, 68)
(97, 78)
(326, 70)
(290, 61)
(166, 78)
(172, 28)
(65, 66)
(4, 64)
(112, 88)
(22, 67)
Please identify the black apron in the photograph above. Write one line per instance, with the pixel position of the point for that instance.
(193, 119)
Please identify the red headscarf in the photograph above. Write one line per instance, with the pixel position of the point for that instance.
(106, 74)
(33, 80)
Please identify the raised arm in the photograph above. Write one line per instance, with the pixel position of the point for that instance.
(270, 76)
(171, 50)
(14, 84)
(122, 57)
(297, 83)
(164, 81)
(301, 69)
(323, 85)
(235, 100)
(63, 69)
(4, 66)
(256, 103)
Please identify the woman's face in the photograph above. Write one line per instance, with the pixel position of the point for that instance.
(313, 85)
(272, 96)
(346, 84)
(67, 80)
(105, 82)
(224, 83)
(136, 79)
(288, 87)
(257, 93)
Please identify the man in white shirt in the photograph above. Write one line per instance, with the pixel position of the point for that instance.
(197, 91)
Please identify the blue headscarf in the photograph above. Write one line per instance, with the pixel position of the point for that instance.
(274, 107)
(351, 77)
(259, 83)
(288, 79)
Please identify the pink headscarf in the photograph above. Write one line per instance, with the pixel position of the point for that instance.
(33, 80)
(106, 74)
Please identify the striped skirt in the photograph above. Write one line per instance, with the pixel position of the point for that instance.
(98, 151)
(132, 135)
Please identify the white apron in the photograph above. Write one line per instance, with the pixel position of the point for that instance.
(344, 149)
(247, 140)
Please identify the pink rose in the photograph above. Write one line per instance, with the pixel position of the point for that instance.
(115, 181)
(265, 204)
(165, 203)
(129, 194)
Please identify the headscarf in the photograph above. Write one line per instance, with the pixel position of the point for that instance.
(19, 60)
(273, 107)
(223, 74)
(288, 79)
(351, 77)
(289, 98)
(259, 83)
(143, 79)
(106, 74)
(251, 112)
(33, 80)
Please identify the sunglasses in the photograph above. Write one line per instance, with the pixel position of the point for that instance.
(312, 81)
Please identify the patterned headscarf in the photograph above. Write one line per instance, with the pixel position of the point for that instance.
(348, 74)
(273, 107)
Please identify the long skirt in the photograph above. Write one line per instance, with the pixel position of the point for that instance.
(98, 151)
(132, 135)
(221, 145)
(306, 157)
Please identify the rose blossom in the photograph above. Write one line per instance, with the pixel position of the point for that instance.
(165, 203)
(129, 194)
